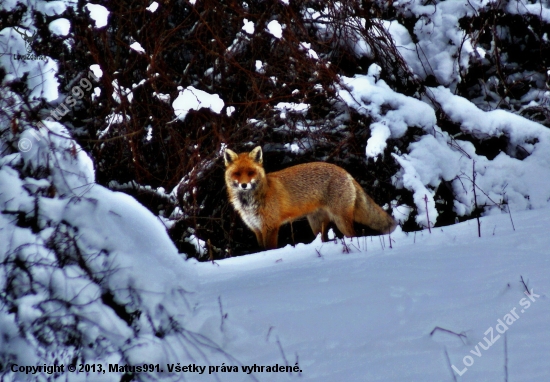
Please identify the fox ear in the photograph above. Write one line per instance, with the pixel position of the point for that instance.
(229, 156)
(257, 155)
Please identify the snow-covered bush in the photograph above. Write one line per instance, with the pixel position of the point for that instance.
(87, 275)
(476, 181)
(401, 94)
(493, 52)
(185, 79)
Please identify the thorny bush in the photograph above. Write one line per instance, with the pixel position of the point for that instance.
(139, 147)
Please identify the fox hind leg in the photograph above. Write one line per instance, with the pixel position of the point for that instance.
(319, 221)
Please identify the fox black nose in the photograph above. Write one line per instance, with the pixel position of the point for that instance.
(244, 185)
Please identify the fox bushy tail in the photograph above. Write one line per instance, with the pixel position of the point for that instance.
(369, 213)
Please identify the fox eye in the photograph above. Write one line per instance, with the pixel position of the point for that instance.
(237, 173)
(250, 173)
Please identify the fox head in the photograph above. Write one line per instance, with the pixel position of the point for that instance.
(244, 171)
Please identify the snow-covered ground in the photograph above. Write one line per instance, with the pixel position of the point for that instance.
(367, 315)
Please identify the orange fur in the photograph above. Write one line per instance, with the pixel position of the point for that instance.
(322, 192)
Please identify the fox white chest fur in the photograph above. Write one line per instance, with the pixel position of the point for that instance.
(246, 204)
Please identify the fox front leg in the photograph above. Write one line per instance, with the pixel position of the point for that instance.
(270, 238)
(259, 238)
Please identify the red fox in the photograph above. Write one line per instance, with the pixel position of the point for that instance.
(321, 191)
